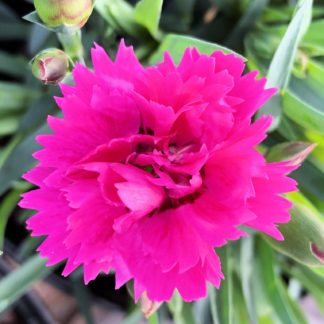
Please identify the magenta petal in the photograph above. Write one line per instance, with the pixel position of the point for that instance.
(141, 197)
(152, 168)
(267, 205)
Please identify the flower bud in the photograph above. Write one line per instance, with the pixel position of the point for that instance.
(148, 307)
(70, 13)
(50, 66)
(295, 152)
(317, 252)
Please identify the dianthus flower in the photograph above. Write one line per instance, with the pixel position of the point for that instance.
(151, 168)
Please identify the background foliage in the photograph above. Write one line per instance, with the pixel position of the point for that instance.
(266, 281)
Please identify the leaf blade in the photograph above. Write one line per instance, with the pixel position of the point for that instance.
(17, 282)
(282, 62)
(148, 13)
(176, 45)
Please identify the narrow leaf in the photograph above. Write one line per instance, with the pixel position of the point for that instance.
(302, 113)
(15, 284)
(303, 101)
(20, 159)
(271, 286)
(310, 179)
(212, 293)
(6, 13)
(292, 304)
(282, 62)
(14, 96)
(201, 311)
(9, 124)
(224, 296)
(120, 15)
(246, 269)
(82, 296)
(313, 283)
(241, 315)
(12, 65)
(147, 13)
(7, 205)
(176, 45)
(181, 311)
(37, 38)
(246, 22)
(12, 31)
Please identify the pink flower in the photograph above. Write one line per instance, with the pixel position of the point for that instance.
(152, 168)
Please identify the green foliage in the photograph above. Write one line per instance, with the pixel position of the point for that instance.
(272, 286)
(282, 62)
(306, 227)
(19, 281)
(181, 311)
(8, 205)
(147, 13)
(176, 44)
(222, 299)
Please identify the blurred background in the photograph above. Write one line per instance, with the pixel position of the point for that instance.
(292, 289)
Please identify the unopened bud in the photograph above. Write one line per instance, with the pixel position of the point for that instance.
(295, 152)
(148, 307)
(317, 252)
(69, 13)
(50, 66)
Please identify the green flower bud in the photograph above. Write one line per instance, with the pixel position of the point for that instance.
(295, 152)
(70, 13)
(50, 66)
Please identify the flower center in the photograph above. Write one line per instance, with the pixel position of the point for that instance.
(177, 169)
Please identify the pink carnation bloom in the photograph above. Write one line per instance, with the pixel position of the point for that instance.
(151, 168)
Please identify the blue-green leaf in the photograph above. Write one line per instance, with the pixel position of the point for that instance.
(12, 65)
(82, 295)
(303, 101)
(223, 298)
(282, 62)
(15, 284)
(20, 159)
(7, 206)
(176, 45)
(9, 124)
(246, 270)
(302, 112)
(14, 96)
(311, 281)
(271, 286)
(181, 311)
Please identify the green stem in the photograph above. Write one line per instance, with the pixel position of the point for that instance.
(153, 319)
(71, 42)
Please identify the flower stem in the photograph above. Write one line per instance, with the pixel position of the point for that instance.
(153, 319)
(72, 45)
